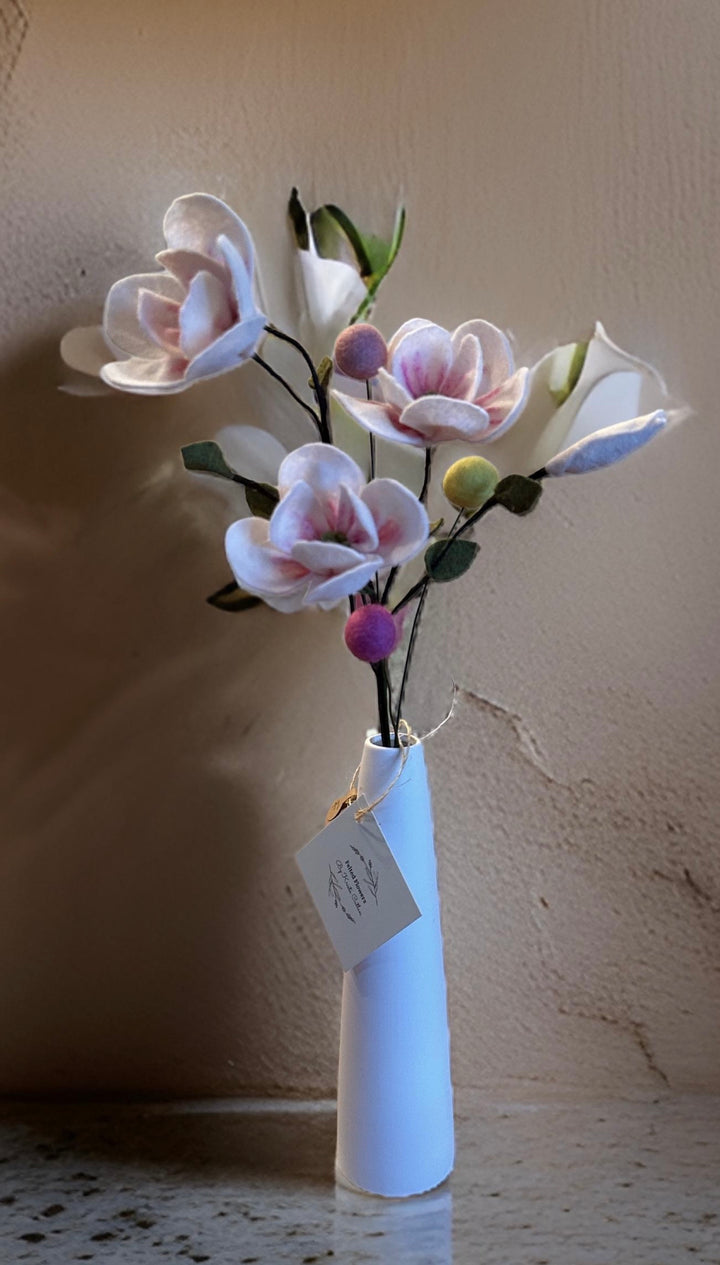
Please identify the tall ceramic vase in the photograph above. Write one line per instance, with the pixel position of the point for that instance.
(395, 1132)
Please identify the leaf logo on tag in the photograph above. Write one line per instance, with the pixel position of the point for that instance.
(356, 885)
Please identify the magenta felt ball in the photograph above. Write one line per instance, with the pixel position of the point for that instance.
(360, 350)
(371, 633)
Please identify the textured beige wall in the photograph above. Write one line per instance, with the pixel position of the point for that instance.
(162, 762)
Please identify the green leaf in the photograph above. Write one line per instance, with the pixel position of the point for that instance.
(232, 598)
(336, 237)
(435, 527)
(324, 373)
(207, 457)
(448, 559)
(298, 220)
(374, 281)
(518, 494)
(262, 499)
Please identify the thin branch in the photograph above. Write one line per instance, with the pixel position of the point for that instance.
(411, 646)
(320, 393)
(290, 390)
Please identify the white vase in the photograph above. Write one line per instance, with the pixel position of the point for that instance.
(395, 1133)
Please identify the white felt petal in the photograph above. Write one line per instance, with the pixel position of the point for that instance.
(417, 322)
(241, 278)
(161, 376)
(605, 447)
(251, 451)
(185, 264)
(195, 221)
(299, 516)
(615, 398)
(333, 292)
(205, 315)
(353, 519)
(439, 419)
(328, 592)
(85, 350)
(230, 350)
(325, 557)
(505, 405)
(497, 355)
(256, 565)
(322, 466)
(120, 318)
(392, 391)
(422, 360)
(379, 419)
(401, 521)
(465, 373)
(159, 319)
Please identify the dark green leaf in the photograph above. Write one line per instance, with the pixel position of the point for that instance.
(207, 457)
(298, 220)
(262, 499)
(373, 281)
(518, 494)
(448, 559)
(336, 237)
(232, 598)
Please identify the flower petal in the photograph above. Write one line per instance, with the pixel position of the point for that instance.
(159, 319)
(417, 322)
(229, 350)
(439, 419)
(505, 404)
(257, 565)
(401, 521)
(605, 447)
(251, 451)
(325, 557)
(196, 221)
(422, 359)
(497, 354)
(85, 350)
(328, 592)
(392, 391)
(379, 419)
(353, 519)
(120, 318)
(185, 264)
(241, 278)
(205, 314)
(333, 292)
(162, 376)
(465, 373)
(323, 467)
(299, 516)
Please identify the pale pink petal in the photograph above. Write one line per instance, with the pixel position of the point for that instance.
(233, 347)
(497, 355)
(205, 314)
(328, 592)
(392, 391)
(504, 405)
(185, 264)
(159, 319)
(146, 377)
(353, 520)
(421, 360)
(325, 557)
(195, 221)
(401, 521)
(462, 378)
(241, 278)
(257, 565)
(417, 322)
(120, 318)
(439, 419)
(251, 451)
(85, 350)
(379, 419)
(299, 516)
(605, 447)
(323, 467)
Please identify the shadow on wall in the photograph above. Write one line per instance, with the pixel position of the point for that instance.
(144, 867)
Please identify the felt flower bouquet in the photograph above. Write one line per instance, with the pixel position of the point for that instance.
(319, 527)
(324, 530)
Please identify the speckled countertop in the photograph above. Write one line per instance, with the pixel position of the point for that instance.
(620, 1183)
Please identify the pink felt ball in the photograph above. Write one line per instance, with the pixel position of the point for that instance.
(371, 633)
(360, 350)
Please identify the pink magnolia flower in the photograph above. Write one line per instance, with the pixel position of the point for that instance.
(440, 386)
(195, 319)
(329, 535)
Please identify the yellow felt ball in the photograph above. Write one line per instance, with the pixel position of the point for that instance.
(470, 482)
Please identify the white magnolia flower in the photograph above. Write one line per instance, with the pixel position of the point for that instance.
(329, 535)
(195, 319)
(440, 387)
(568, 426)
(332, 291)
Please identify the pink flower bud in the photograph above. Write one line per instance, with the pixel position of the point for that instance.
(360, 350)
(371, 633)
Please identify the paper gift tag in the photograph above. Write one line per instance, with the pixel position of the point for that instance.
(357, 885)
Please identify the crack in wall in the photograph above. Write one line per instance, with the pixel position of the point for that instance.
(528, 744)
(687, 883)
(635, 1029)
(14, 26)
